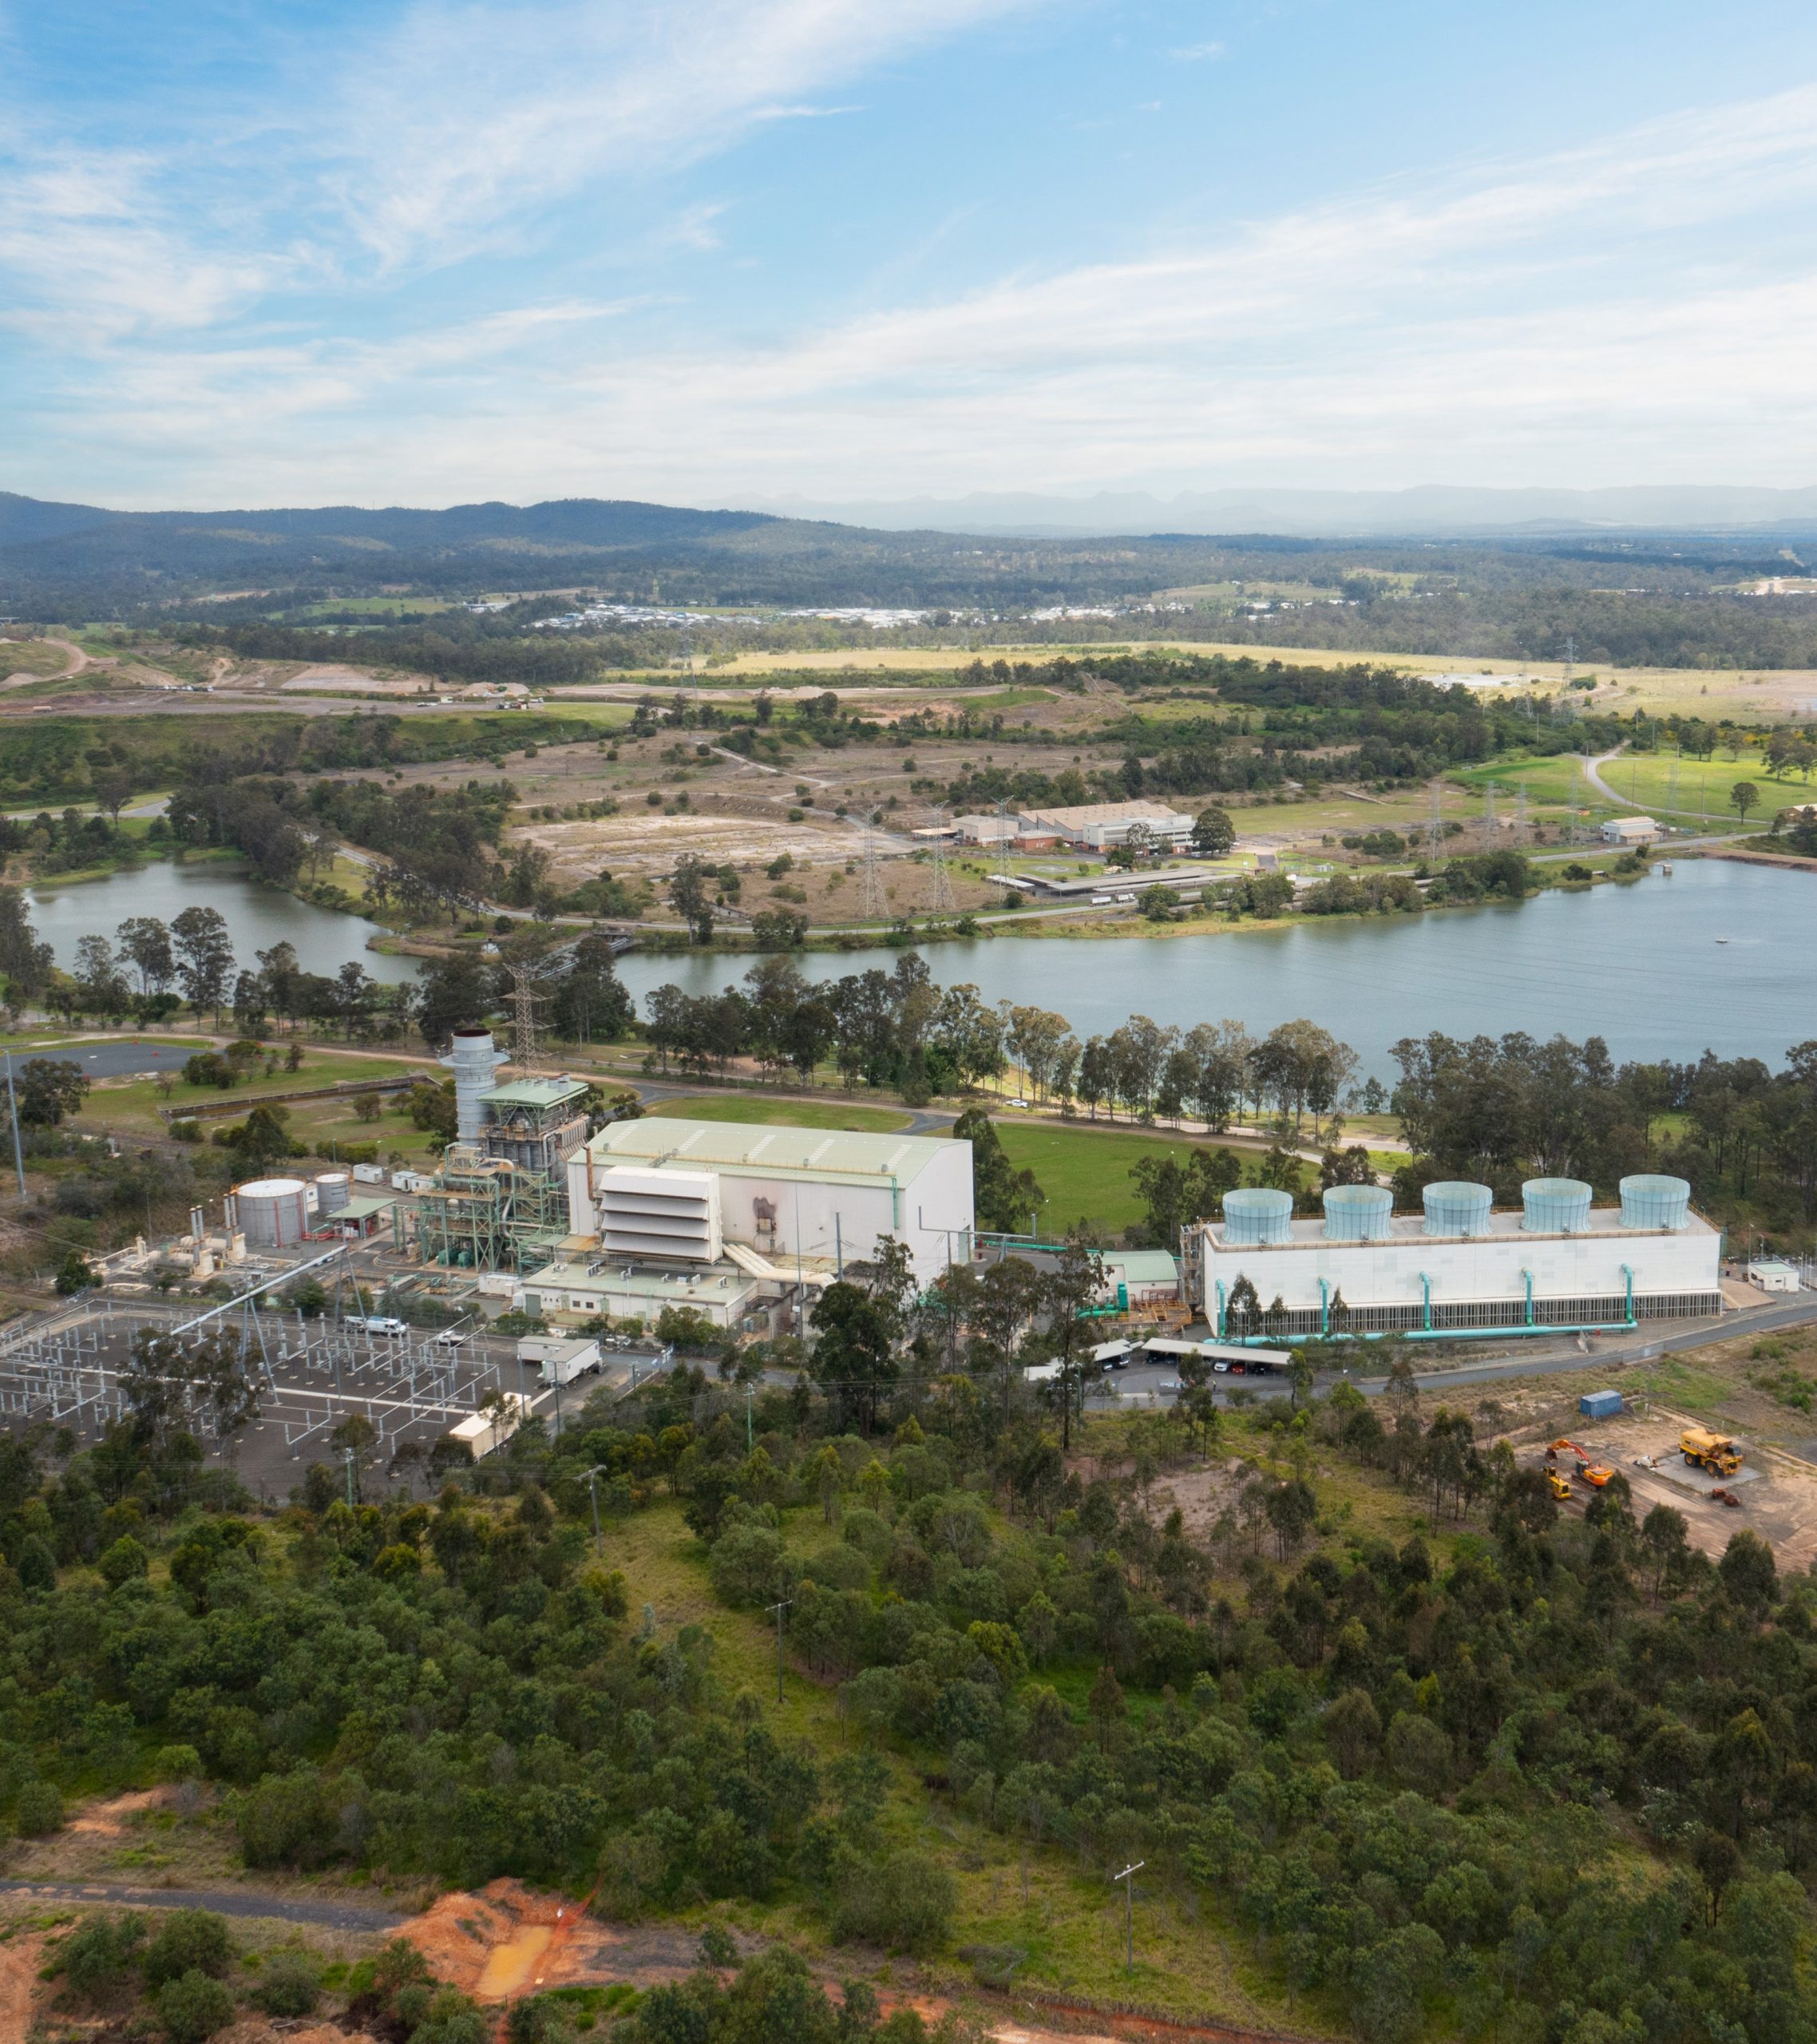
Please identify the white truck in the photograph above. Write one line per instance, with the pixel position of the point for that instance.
(383, 1324)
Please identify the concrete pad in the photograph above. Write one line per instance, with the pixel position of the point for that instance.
(1689, 1478)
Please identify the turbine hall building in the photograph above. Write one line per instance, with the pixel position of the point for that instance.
(1460, 1269)
(739, 1221)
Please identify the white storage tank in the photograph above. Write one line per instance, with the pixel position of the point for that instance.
(332, 1191)
(273, 1212)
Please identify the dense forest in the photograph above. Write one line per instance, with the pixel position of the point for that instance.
(1519, 1777)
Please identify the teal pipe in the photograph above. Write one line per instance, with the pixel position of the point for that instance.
(1325, 1311)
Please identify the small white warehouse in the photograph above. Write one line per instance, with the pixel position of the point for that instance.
(692, 1192)
(1631, 830)
(1461, 1268)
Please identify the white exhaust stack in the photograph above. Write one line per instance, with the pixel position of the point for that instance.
(474, 1064)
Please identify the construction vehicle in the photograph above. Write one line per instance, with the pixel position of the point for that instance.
(1705, 1449)
(1594, 1473)
(1560, 1482)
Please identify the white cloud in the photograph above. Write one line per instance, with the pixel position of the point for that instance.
(1637, 309)
(1198, 53)
(466, 116)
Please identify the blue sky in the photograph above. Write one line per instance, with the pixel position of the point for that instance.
(729, 252)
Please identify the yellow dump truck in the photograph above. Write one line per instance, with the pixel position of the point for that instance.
(1705, 1449)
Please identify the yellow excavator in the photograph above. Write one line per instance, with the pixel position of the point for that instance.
(1705, 1449)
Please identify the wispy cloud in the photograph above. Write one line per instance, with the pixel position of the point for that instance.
(1198, 53)
(1648, 295)
(462, 117)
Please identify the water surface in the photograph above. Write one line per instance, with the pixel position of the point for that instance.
(1639, 964)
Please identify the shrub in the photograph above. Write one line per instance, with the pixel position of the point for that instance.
(905, 1901)
(38, 1809)
(193, 2006)
(97, 1953)
(188, 1941)
(290, 1986)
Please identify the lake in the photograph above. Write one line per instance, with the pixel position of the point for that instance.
(1639, 964)
(258, 915)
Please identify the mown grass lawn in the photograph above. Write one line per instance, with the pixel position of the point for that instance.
(1084, 1170)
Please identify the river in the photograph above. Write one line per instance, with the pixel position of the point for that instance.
(1718, 956)
(258, 915)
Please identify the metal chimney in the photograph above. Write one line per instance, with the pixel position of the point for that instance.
(474, 1064)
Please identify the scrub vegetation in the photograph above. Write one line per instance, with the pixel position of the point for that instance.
(1405, 1753)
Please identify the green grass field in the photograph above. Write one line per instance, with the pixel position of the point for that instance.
(1657, 783)
(132, 1108)
(1085, 1171)
(801, 1114)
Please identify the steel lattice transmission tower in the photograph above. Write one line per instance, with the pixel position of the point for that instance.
(870, 885)
(943, 903)
(528, 1000)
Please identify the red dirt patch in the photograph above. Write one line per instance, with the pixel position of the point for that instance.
(20, 1959)
(507, 1940)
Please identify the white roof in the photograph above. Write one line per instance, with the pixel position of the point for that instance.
(1082, 814)
(756, 1150)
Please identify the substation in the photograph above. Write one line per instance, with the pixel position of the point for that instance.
(743, 1226)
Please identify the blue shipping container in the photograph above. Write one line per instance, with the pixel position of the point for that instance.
(1600, 1404)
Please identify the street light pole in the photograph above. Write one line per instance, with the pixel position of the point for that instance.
(1128, 1910)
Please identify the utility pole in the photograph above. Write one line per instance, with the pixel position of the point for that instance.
(347, 1455)
(779, 1608)
(750, 1397)
(593, 1493)
(13, 1116)
(1129, 1911)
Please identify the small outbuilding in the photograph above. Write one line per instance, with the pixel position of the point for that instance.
(1601, 1404)
(1631, 830)
(1773, 1273)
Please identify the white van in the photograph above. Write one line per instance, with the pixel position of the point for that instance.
(381, 1324)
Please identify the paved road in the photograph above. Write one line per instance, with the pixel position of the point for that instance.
(225, 1902)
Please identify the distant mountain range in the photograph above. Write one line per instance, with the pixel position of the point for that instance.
(1433, 511)
(998, 552)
